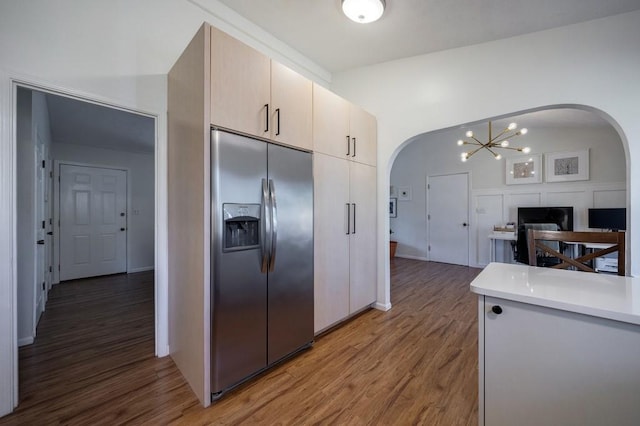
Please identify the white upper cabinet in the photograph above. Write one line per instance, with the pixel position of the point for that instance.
(363, 132)
(240, 85)
(253, 94)
(291, 117)
(330, 123)
(342, 129)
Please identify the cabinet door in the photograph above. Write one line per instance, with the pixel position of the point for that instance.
(363, 131)
(544, 366)
(291, 105)
(330, 123)
(240, 85)
(331, 241)
(362, 247)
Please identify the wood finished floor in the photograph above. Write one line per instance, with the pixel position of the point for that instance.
(93, 362)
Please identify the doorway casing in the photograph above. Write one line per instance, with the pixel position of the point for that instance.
(8, 214)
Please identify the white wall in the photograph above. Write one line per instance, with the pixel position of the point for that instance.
(593, 64)
(492, 201)
(140, 195)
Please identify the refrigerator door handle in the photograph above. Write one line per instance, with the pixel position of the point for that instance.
(348, 218)
(274, 226)
(265, 228)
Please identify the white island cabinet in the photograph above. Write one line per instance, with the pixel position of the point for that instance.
(557, 347)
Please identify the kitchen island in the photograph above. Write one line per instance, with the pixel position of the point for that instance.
(557, 347)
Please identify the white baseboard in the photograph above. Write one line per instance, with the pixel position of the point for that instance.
(162, 351)
(408, 256)
(142, 269)
(382, 306)
(24, 341)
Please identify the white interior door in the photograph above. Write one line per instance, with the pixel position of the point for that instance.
(48, 214)
(448, 218)
(40, 224)
(93, 221)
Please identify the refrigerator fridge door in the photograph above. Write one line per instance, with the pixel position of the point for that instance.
(290, 281)
(239, 290)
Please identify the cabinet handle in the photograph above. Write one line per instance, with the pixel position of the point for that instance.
(278, 121)
(354, 147)
(266, 107)
(354, 218)
(348, 218)
(348, 146)
(496, 309)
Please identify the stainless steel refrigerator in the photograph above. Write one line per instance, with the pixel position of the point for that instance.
(262, 249)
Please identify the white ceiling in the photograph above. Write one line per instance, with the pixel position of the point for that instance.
(319, 30)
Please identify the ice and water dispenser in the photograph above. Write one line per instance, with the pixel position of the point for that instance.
(241, 226)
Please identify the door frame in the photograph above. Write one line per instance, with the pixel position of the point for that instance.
(9, 83)
(56, 210)
(469, 215)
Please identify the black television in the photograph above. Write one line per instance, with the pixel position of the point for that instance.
(561, 216)
(613, 219)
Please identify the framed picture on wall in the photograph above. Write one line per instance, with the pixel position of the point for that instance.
(393, 207)
(567, 166)
(524, 169)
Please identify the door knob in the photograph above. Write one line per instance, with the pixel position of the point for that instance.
(122, 214)
(496, 309)
(464, 224)
(41, 242)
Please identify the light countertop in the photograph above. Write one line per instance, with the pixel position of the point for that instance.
(599, 295)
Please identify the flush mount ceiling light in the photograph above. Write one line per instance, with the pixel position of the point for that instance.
(501, 140)
(363, 11)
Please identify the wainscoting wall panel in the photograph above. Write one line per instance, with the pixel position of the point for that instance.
(499, 206)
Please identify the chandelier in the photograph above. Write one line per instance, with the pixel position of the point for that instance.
(501, 140)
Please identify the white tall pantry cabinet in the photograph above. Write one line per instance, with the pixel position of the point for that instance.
(344, 143)
(220, 81)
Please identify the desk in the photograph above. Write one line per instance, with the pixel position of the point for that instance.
(499, 236)
(588, 246)
(600, 264)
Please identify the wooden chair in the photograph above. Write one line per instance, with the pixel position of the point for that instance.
(536, 240)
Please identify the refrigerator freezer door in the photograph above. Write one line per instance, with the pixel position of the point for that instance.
(290, 295)
(239, 291)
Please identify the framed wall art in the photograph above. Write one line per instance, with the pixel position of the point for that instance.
(567, 166)
(524, 169)
(393, 207)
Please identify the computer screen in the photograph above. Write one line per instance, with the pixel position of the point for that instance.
(614, 219)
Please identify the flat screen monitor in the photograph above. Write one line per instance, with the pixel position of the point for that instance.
(614, 219)
(562, 216)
